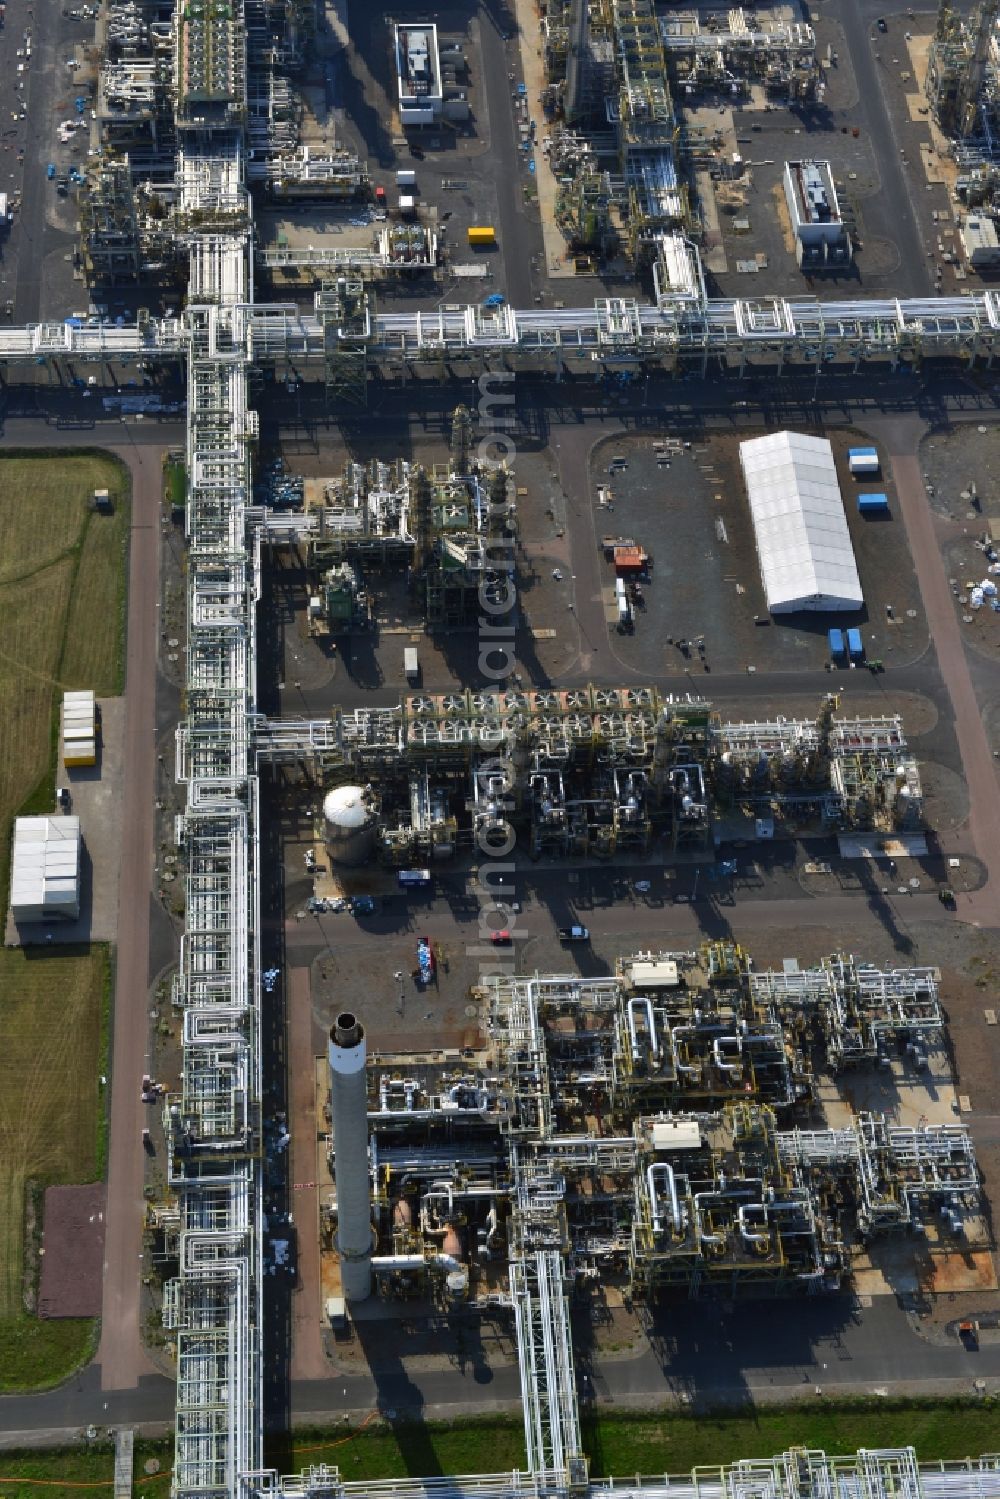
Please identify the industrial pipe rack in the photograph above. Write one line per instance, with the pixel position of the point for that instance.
(768, 332)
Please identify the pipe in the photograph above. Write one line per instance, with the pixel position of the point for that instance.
(662, 1168)
(492, 1227)
(647, 1005)
(750, 1235)
(734, 1069)
(440, 1192)
(436, 1261)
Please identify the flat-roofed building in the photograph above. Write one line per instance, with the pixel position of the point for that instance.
(418, 71)
(45, 870)
(820, 235)
(980, 243)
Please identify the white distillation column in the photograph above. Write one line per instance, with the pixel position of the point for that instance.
(349, 1109)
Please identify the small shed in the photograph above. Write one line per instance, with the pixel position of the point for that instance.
(630, 560)
(863, 460)
(873, 504)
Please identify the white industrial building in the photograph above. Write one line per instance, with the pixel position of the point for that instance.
(980, 243)
(45, 873)
(418, 72)
(804, 546)
(820, 235)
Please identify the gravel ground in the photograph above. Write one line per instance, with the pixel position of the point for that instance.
(959, 469)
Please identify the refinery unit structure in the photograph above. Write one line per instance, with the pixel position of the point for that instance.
(642, 1131)
(178, 123)
(450, 528)
(654, 1120)
(593, 771)
(611, 69)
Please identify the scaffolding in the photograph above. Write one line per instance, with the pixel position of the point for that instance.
(344, 308)
(109, 228)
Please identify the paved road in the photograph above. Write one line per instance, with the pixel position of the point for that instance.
(983, 822)
(518, 238)
(891, 211)
(121, 1356)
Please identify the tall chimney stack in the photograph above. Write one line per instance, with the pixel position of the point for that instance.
(349, 1109)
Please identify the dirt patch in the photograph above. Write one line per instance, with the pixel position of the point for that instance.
(73, 1261)
(963, 1272)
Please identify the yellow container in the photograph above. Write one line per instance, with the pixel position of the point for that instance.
(81, 752)
(482, 235)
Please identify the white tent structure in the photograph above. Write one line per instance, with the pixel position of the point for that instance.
(804, 546)
(45, 873)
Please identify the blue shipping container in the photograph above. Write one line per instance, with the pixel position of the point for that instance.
(873, 504)
(836, 640)
(855, 645)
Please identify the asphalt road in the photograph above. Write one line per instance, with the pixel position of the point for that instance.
(983, 823)
(518, 238)
(120, 1356)
(704, 1350)
(890, 212)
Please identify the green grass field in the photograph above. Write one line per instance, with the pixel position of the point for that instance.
(947, 1430)
(62, 601)
(670, 1442)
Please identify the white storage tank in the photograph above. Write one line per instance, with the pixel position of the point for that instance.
(349, 824)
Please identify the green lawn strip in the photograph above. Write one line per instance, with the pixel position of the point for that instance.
(624, 1444)
(174, 483)
(671, 1442)
(94, 1463)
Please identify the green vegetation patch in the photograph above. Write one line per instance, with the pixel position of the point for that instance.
(495, 1444)
(62, 612)
(626, 1443)
(36, 1353)
(174, 483)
